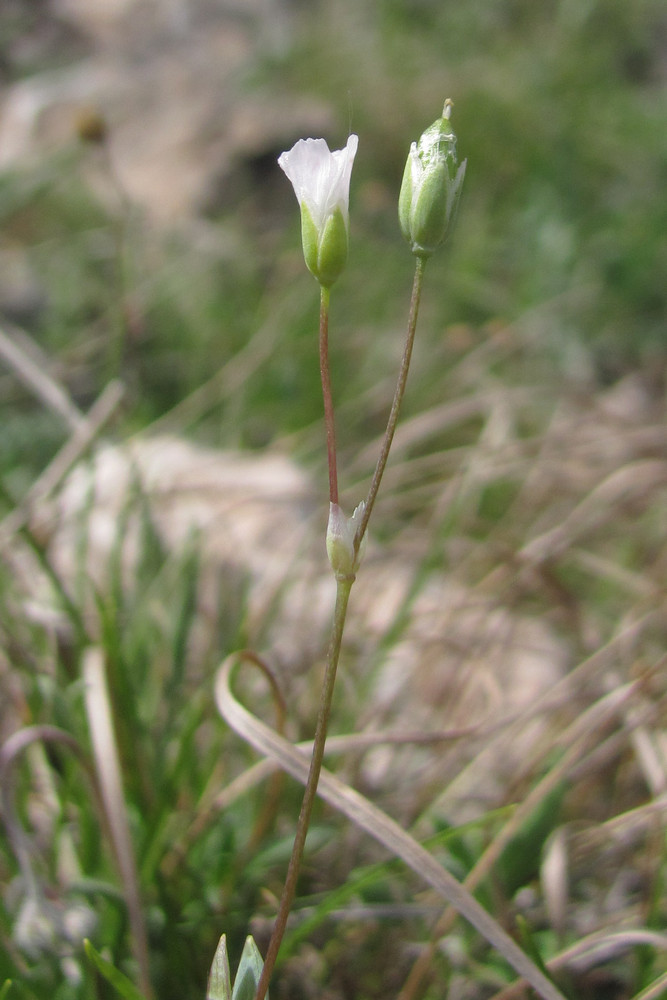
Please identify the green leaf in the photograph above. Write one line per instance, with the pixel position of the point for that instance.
(4, 990)
(219, 985)
(249, 972)
(123, 986)
(519, 861)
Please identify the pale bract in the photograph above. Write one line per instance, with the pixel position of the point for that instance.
(321, 182)
(341, 532)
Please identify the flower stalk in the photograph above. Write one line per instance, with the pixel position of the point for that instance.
(327, 396)
(350, 537)
(402, 381)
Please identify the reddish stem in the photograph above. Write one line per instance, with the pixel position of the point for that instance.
(325, 375)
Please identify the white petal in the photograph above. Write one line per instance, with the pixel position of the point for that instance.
(319, 177)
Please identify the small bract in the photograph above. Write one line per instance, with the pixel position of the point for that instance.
(321, 182)
(341, 532)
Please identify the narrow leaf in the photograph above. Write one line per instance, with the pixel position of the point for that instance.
(114, 976)
(249, 971)
(219, 985)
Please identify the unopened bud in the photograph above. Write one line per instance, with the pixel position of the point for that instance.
(431, 187)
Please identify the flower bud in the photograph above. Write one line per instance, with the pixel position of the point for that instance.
(341, 532)
(321, 182)
(431, 187)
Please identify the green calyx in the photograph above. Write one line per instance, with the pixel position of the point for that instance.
(431, 187)
(429, 220)
(325, 249)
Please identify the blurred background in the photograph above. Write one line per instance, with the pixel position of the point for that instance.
(147, 231)
(148, 235)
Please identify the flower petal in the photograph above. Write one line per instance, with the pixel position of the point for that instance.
(320, 178)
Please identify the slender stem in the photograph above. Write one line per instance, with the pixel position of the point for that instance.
(420, 264)
(325, 375)
(343, 588)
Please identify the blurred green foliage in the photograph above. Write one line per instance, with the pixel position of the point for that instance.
(559, 109)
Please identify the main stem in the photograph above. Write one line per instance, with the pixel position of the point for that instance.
(343, 588)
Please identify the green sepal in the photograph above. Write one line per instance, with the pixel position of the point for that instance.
(332, 255)
(249, 972)
(429, 214)
(325, 250)
(309, 239)
(405, 199)
(219, 983)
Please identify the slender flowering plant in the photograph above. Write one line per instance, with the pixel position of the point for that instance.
(429, 197)
(427, 204)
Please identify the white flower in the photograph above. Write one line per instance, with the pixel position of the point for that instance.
(319, 177)
(321, 182)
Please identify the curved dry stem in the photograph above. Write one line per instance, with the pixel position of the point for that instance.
(107, 763)
(9, 751)
(84, 435)
(383, 829)
(654, 990)
(270, 802)
(600, 947)
(22, 355)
